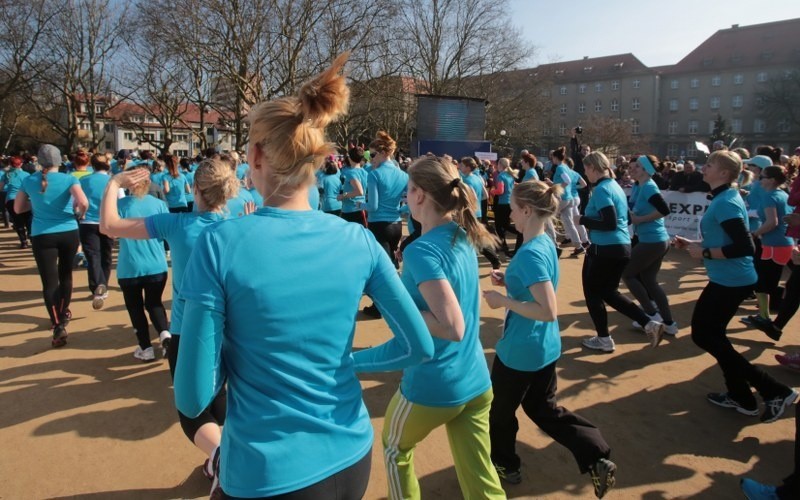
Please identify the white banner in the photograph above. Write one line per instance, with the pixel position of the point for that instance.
(686, 210)
(482, 155)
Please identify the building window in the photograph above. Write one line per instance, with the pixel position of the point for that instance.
(738, 79)
(128, 136)
(693, 126)
(562, 129)
(762, 77)
(107, 127)
(181, 152)
(711, 126)
(581, 107)
(563, 90)
(691, 150)
(694, 83)
(736, 125)
(784, 126)
(672, 150)
(598, 87)
(635, 104)
(109, 146)
(694, 104)
(635, 127)
(672, 127)
(582, 88)
(598, 106)
(673, 84)
(636, 84)
(673, 105)
(715, 103)
(716, 81)
(614, 105)
(759, 102)
(563, 109)
(759, 126)
(737, 101)
(615, 85)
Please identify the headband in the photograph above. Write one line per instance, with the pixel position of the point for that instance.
(646, 164)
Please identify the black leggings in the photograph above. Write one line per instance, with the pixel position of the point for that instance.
(359, 217)
(55, 256)
(602, 270)
(502, 224)
(388, 235)
(641, 277)
(21, 222)
(791, 299)
(712, 312)
(347, 484)
(98, 249)
(769, 275)
(144, 292)
(213, 414)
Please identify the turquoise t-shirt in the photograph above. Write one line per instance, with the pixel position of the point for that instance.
(530, 345)
(139, 258)
(508, 183)
(189, 175)
(727, 272)
(386, 186)
(181, 231)
(12, 182)
(356, 204)
(605, 194)
(52, 210)
(562, 176)
(530, 175)
(94, 186)
(241, 171)
(476, 184)
(653, 231)
(575, 184)
(235, 206)
(752, 202)
(331, 188)
(257, 198)
(176, 198)
(313, 197)
(295, 409)
(778, 200)
(457, 373)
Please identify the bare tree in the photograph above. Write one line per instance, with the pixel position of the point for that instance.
(781, 97)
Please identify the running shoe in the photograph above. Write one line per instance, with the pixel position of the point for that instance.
(753, 490)
(655, 332)
(791, 360)
(65, 317)
(767, 326)
(145, 355)
(655, 317)
(99, 299)
(578, 251)
(605, 344)
(671, 328)
(78, 261)
(507, 475)
(602, 473)
(724, 400)
(216, 488)
(165, 338)
(777, 405)
(59, 336)
(750, 320)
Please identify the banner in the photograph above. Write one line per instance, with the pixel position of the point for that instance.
(482, 155)
(686, 210)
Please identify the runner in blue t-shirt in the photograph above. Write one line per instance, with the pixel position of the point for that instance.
(503, 187)
(11, 182)
(440, 271)
(98, 248)
(468, 168)
(331, 188)
(175, 186)
(354, 188)
(524, 369)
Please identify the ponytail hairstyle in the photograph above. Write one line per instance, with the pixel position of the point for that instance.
(503, 162)
(49, 157)
(598, 162)
(727, 161)
(440, 180)
(539, 197)
(469, 162)
(775, 172)
(529, 159)
(290, 131)
(143, 187)
(215, 181)
(356, 154)
(559, 154)
(81, 158)
(383, 143)
(100, 163)
(172, 165)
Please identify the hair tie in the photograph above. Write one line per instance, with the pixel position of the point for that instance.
(455, 182)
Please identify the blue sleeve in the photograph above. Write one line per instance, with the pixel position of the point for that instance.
(412, 344)
(533, 269)
(372, 193)
(423, 263)
(159, 225)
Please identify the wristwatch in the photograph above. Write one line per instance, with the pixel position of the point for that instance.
(707, 253)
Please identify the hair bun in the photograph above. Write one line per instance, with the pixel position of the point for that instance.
(325, 97)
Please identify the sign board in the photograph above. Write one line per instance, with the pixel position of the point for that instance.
(482, 155)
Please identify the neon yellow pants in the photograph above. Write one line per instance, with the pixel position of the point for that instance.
(406, 424)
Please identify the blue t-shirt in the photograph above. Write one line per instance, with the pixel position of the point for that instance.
(235, 206)
(94, 186)
(457, 373)
(530, 345)
(190, 179)
(727, 272)
(778, 200)
(507, 180)
(176, 198)
(313, 197)
(257, 198)
(386, 186)
(653, 231)
(157, 177)
(12, 182)
(241, 171)
(561, 176)
(605, 194)
(476, 184)
(530, 175)
(285, 343)
(331, 188)
(181, 231)
(52, 210)
(355, 204)
(755, 191)
(575, 184)
(140, 257)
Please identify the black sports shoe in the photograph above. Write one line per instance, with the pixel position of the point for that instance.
(59, 336)
(724, 400)
(216, 489)
(776, 406)
(509, 476)
(602, 473)
(767, 326)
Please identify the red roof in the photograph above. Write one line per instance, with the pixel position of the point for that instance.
(123, 111)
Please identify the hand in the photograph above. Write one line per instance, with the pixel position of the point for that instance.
(680, 242)
(695, 250)
(339, 197)
(498, 277)
(131, 178)
(494, 299)
(633, 218)
(792, 219)
(249, 207)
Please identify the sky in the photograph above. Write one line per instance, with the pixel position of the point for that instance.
(657, 32)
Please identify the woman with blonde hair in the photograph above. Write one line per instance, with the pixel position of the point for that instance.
(503, 187)
(524, 369)
(440, 271)
(264, 313)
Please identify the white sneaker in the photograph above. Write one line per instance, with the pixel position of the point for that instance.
(100, 296)
(605, 344)
(656, 317)
(655, 332)
(144, 354)
(671, 329)
(165, 337)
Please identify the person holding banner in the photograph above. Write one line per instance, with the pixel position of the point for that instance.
(648, 210)
(727, 252)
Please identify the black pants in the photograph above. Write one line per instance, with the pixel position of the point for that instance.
(177, 210)
(641, 277)
(213, 414)
(791, 299)
(98, 249)
(359, 217)
(602, 270)
(22, 222)
(54, 254)
(485, 211)
(144, 293)
(348, 484)
(502, 224)
(769, 275)
(388, 235)
(712, 312)
(536, 392)
(790, 490)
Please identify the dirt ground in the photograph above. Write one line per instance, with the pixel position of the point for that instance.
(89, 421)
